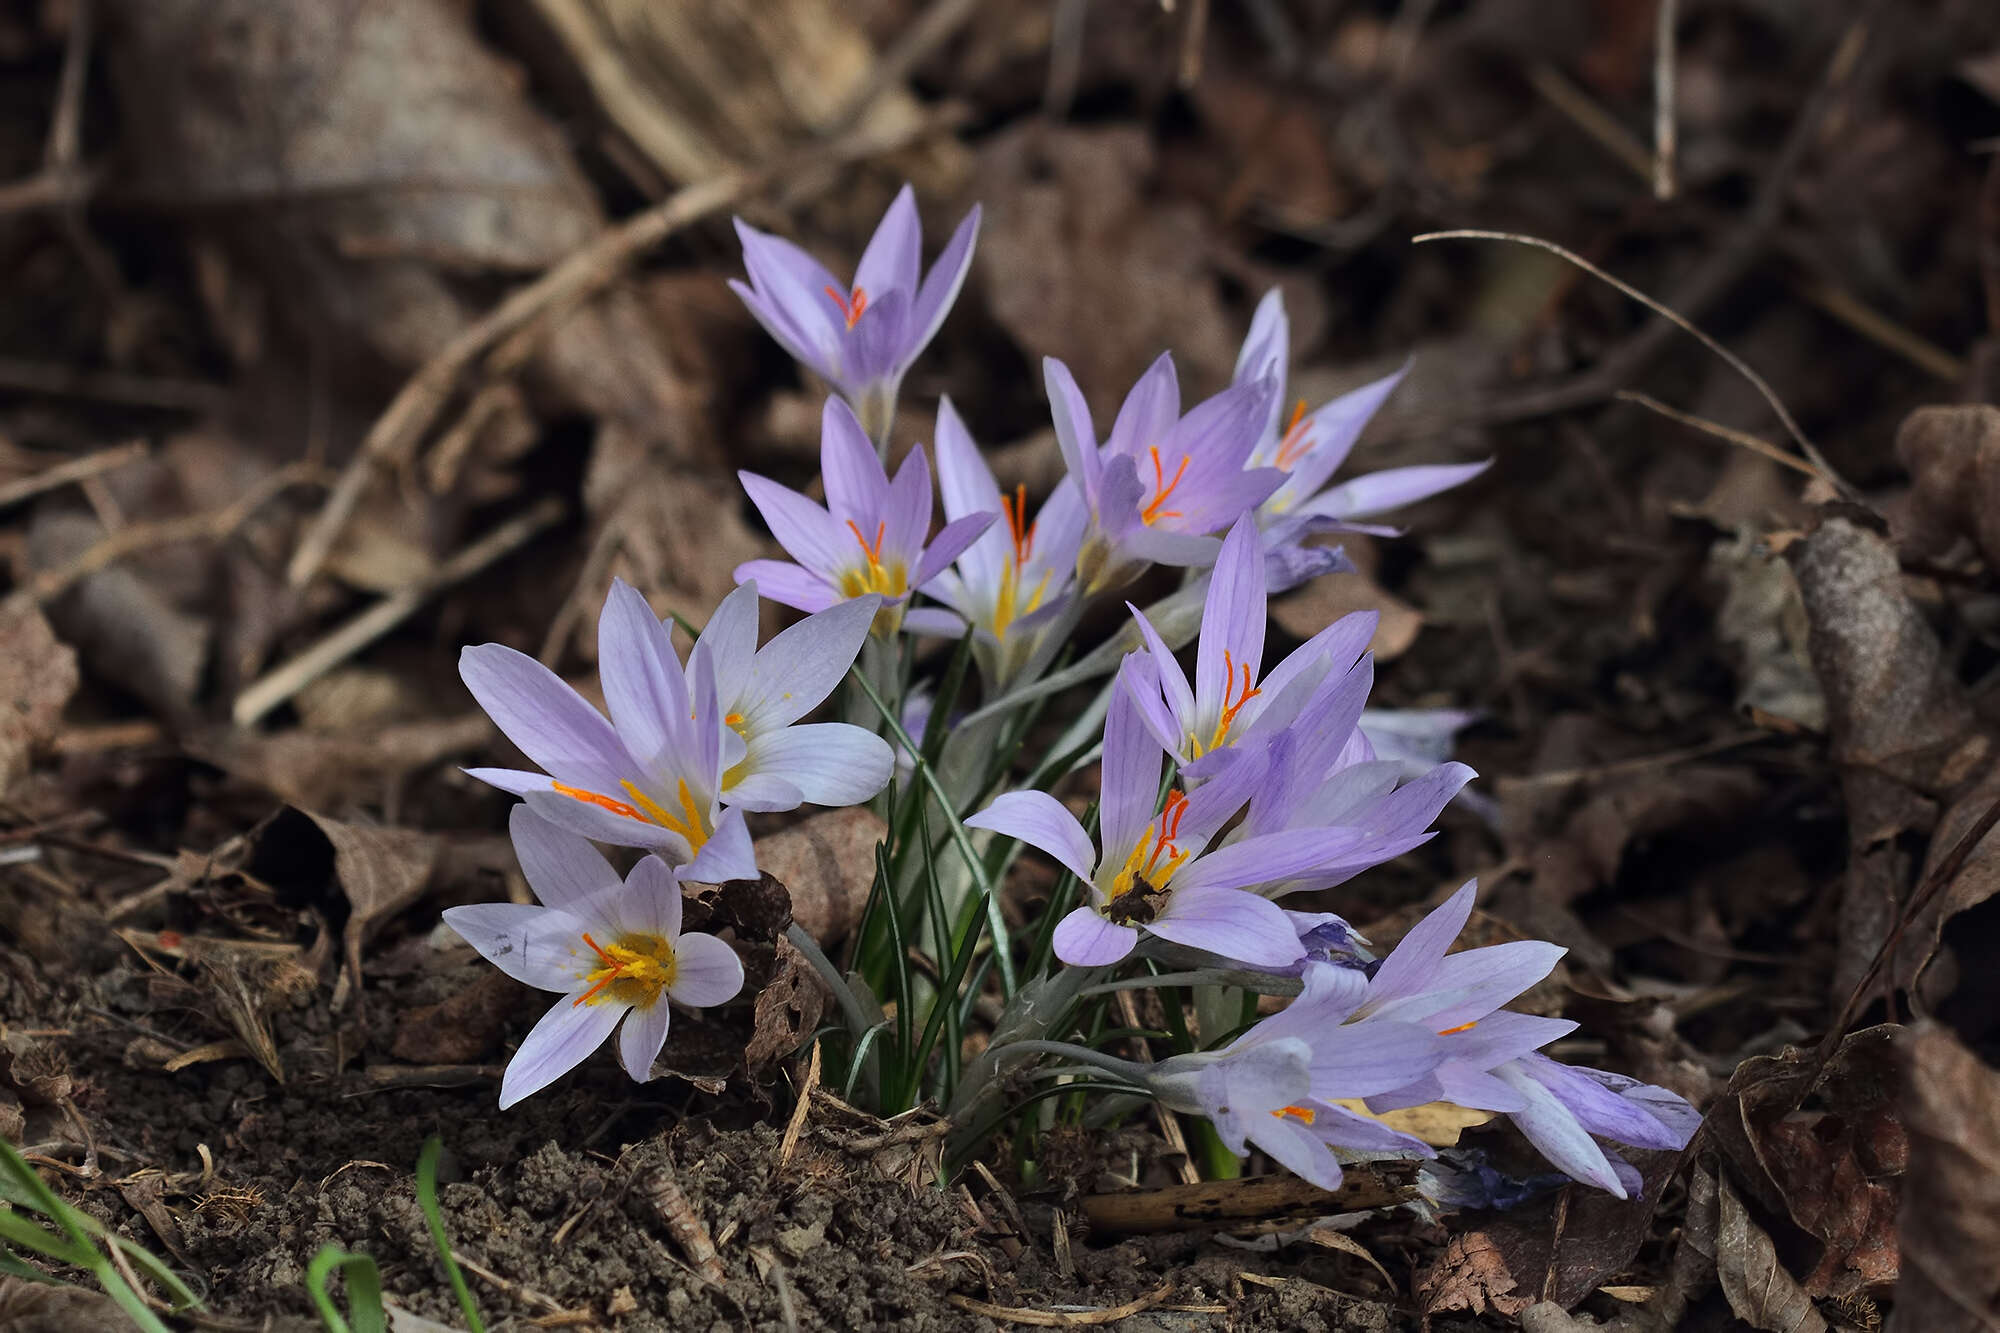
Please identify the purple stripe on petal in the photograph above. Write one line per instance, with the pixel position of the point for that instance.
(1231, 924)
(707, 972)
(1074, 432)
(808, 533)
(1086, 939)
(1410, 965)
(856, 486)
(1129, 788)
(566, 1035)
(545, 718)
(1040, 820)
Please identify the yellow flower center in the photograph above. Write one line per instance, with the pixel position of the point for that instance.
(634, 969)
(891, 580)
(1156, 857)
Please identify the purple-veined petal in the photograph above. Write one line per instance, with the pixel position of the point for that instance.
(1040, 820)
(563, 869)
(1265, 354)
(707, 972)
(934, 621)
(1378, 492)
(1466, 1085)
(531, 944)
(831, 763)
(785, 272)
(789, 585)
(894, 256)
(1129, 785)
(1466, 987)
(1161, 545)
(730, 636)
(1173, 682)
(1085, 939)
(1411, 964)
(1229, 923)
(1501, 1036)
(941, 284)
(1557, 1135)
(546, 719)
(966, 486)
(1139, 679)
(644, 688)
(566, 1034)
(516, 781)
(856, 486)
(1274, 856)
(809, 534)
(783, 330)
(766, 793)
(726, 855)
(1074, 433)
(952, 539)
(1231, 651)
(1366, 1058)
(641, 1037)
(801, 665)
(1340, 645)
(1357, 1133)
(1297, 1148)
(1599, 1109)
(876, 350)
(1332, 429)
(651, 901)
(1147, 417)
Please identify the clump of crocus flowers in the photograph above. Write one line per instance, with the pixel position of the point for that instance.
(1219, 797)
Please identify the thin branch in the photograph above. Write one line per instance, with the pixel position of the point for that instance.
(1729, 358)
(1665, 133)
(1763, 448)
(76, 469)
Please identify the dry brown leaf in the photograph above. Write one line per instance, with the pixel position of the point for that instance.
(1312, 608)
(37, 677)
(332, 772)
(1950, 1221)
(787, 1010)
(1471, 1275)
(1759, 1289)
(1436, 1123)
(1081, 262)
(827, 863)
(1900, 724)
(1953, 456)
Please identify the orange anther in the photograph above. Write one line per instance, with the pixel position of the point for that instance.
(850, 306)
(1297, 439)
(1162, 488)
(1305, 1114)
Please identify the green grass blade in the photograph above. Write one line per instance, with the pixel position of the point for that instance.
(427, 1200)
(154, 1267)
(995, 922)
(893, 1078)
(364, 1291)
(23, 1234)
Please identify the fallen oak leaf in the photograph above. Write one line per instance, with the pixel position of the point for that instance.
(1757, 1286)
(1950, 1219)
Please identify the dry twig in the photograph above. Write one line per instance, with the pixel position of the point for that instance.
(1063, 1318)
(76, 469)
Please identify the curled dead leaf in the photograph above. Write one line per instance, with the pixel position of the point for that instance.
(1950, 1217)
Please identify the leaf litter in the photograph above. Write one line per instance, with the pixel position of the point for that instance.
(212, 995)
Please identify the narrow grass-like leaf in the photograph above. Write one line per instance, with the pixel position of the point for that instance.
(364, 1291)
(427, 1200)
(994, 920)
(894, 1076)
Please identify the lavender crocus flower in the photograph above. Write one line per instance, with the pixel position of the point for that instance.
(1311, 446)
(1491, 1057)
(652, 776)
(613, 948)
(1227, 702)
(870, 537)
(1151, 873)
(1276, 1086)
(860, 338)
(771, 760)
(1161, 483)
(1015, 589)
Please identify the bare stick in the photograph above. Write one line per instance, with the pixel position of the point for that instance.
(416, 407)
(1225, 1202)
(1008, 1314)
(211, 526)
(1763, 448)
(1194, 30)
(1729, 358)
(1665, 134)
(289, 678)
(1590, 117)
(76, 469)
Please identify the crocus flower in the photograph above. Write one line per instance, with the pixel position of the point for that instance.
(1013, 588)
(870, 537)
(772, 761)
(1228, 701)
(612, 948)
(1161, 483)
(859, 338)
(1276, 1086)
(650, 777)
(1151, 873)
(1311, 446)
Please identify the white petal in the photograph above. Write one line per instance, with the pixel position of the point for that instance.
(559, 1043)
(640, 1040)
(531, 944)
(706, 972)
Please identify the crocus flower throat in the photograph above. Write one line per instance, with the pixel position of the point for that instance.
(633, 970)
(692, 823)
(850, 305)
(1143, 871)
(889, 578)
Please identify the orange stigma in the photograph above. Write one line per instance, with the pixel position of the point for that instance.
(1303, 1114)
(1162, 488)
(613, 967)
(1297, 439)
(1015, 506)
(1229, 709)
(874, 552)
(1462, 1027)
(598, 799)
(1170, 829)
(851, 306)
